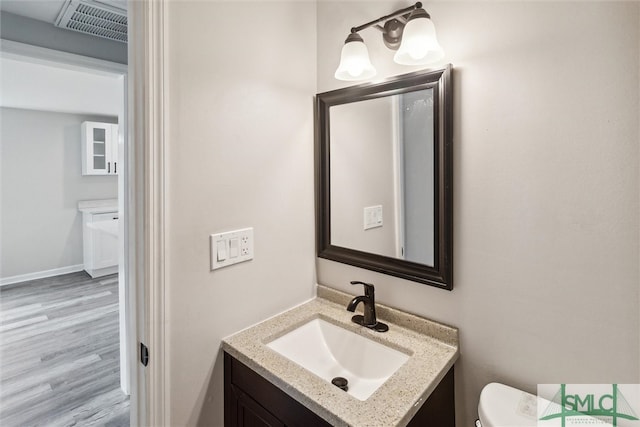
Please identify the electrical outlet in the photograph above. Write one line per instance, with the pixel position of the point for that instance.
(245, 247)
(224, 247)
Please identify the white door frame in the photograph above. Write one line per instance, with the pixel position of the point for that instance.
(398, 174)
(148, 115)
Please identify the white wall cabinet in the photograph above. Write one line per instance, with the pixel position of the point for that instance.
(99, 148)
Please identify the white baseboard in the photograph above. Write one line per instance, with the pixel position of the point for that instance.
(40, 274)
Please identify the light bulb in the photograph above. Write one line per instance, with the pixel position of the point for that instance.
(355, 70)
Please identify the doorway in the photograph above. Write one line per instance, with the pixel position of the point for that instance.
(99, 288)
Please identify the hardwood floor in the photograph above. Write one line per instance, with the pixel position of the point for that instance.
(59, 353)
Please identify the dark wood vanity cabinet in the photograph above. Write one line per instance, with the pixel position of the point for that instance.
(439, 409)
(252, 401)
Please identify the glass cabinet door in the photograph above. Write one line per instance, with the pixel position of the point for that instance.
(99, 141)
(99, 148)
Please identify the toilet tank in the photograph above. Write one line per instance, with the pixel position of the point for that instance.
(504, 406)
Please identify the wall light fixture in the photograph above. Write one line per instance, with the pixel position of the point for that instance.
(409, 31)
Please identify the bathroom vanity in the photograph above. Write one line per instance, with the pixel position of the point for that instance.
(264, 386)
(247, 395)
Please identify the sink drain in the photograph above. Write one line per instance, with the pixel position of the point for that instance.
(341, 383)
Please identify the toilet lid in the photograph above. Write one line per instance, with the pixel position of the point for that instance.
(504, 406)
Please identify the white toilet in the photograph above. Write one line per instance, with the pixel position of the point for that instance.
(504, 406)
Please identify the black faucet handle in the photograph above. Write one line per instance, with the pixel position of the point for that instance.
(368, 287)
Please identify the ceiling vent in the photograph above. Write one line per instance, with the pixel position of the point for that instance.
(95, 18)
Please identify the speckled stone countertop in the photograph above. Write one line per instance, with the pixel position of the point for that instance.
(98, 206)
(433, 349)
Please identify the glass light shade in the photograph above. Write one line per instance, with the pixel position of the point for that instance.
(419, 44)
(354, 61)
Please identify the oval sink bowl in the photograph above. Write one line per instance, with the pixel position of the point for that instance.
(330, 351)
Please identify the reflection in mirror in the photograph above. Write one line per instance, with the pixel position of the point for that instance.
(384, 176)
(382, 155)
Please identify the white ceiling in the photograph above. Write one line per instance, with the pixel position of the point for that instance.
(46, 10)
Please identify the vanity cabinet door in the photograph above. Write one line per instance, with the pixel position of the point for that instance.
(439, 410)
(252, 401)
(105, 246)
(99, 248)
(250, 414)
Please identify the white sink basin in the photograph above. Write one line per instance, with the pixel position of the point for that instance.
(330, 351)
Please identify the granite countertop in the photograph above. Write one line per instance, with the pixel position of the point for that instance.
(98, 206)
(433, 348)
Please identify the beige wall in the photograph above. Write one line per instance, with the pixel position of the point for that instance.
(546, 188)
(546, 185)
(241, 84)
(362, 161)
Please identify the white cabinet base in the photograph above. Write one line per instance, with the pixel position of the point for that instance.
(101, 271)
(100, 243)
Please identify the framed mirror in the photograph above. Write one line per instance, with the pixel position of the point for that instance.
(384, 176)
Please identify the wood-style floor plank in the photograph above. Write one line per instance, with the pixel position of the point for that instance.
(59, 353)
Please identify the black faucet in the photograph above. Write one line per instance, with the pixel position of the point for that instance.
(369, 319)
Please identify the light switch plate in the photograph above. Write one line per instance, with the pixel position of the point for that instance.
(372, 217)
(231, 247)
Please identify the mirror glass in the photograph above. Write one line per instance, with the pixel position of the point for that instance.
(384, 176)
(382, 157)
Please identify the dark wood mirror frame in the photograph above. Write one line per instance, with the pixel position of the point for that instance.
(441, 274)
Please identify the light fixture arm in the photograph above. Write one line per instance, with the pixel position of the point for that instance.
(397, 13)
